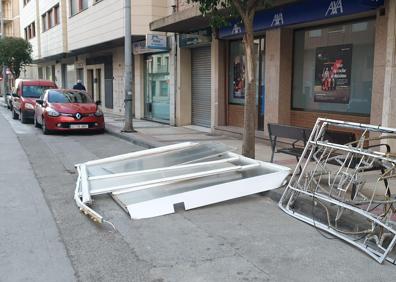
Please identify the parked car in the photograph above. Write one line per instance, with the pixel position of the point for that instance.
(24, 98)
(64, 110)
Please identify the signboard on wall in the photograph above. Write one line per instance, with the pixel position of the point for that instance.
(193, 40)
(156, 41)
(299, 12)
(333, 74)
(140, 48)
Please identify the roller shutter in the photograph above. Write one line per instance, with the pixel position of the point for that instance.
(200, 86)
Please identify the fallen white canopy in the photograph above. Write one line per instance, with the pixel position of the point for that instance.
(151, 182)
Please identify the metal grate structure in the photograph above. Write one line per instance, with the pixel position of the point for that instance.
(348, 189)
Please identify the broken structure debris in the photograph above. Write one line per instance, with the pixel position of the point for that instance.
(151, 182)
(348, 189)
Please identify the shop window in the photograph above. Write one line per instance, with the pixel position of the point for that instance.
(164, 89)
(333, 68)
(156, 90)
(236, 72)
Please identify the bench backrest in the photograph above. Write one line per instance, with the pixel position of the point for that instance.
(287, 131)
(339, 137)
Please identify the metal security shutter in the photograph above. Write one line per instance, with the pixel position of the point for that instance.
(200, 86)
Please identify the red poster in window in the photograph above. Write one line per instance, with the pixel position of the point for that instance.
(333, 74)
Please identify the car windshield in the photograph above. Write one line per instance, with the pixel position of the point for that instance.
(34, 91)
(68, 97)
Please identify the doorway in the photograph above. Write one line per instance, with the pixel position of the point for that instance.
(90, 83)
(156, 89)
(95, 81)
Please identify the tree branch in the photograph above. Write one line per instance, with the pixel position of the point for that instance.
(239, 8)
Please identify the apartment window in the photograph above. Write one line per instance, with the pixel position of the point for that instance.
(44, 22)
(30, 31)
(56, 14)
(77, 6)
(50, 18)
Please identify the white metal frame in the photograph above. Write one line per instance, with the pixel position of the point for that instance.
(269, 176)
(314, 162)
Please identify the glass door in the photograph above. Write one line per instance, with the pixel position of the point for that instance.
(156, 92)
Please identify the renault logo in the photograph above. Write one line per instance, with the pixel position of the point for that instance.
(78, 116)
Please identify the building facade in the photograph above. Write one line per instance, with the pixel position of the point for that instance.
(11, 17)
(84, 39)
(10, 9)
(315, 58)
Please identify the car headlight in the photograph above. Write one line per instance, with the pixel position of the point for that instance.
(98, 113)
(29, 106)
(52, 113)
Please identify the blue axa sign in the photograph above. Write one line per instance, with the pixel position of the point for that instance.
(300, 12)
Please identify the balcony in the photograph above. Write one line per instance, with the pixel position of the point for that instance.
(7, 12)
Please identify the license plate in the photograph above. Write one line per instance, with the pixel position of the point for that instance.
(78, 125)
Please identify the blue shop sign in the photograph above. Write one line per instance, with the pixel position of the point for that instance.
(300, 12)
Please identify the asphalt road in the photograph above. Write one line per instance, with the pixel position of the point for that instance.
(44, 237)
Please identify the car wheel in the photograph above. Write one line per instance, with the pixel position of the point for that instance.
(14, 114)
(23, 119)
(44, 127)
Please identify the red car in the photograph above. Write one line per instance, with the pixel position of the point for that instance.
(65, 110)
(24, 100)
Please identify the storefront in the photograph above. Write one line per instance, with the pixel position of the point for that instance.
(323, 65)
(333, 68)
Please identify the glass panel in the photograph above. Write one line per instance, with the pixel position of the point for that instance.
(236, 72)
(73, 7)
(333, 68)
(70, 76)
(157, 87)
(166, 159)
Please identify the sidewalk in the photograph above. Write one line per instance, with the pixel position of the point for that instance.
(153, 134)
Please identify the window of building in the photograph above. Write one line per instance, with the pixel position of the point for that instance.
(30, 31)
(25, 2)
(333, 68)
(50, 18)
(44, 22)
(77, 6)
(40, 73)
(56, 14)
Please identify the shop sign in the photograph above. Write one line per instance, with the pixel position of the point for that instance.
(300, 12)
(156, 41)
(190, 40)
(140, 48)
(333, 74)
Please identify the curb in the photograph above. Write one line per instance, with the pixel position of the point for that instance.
(135, 138)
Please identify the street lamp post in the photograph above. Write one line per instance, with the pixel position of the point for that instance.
(128, 125)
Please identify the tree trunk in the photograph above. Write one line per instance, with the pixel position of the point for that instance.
(248, 146)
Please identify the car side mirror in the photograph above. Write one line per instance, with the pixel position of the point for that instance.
(40, 102)
(98, 103)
